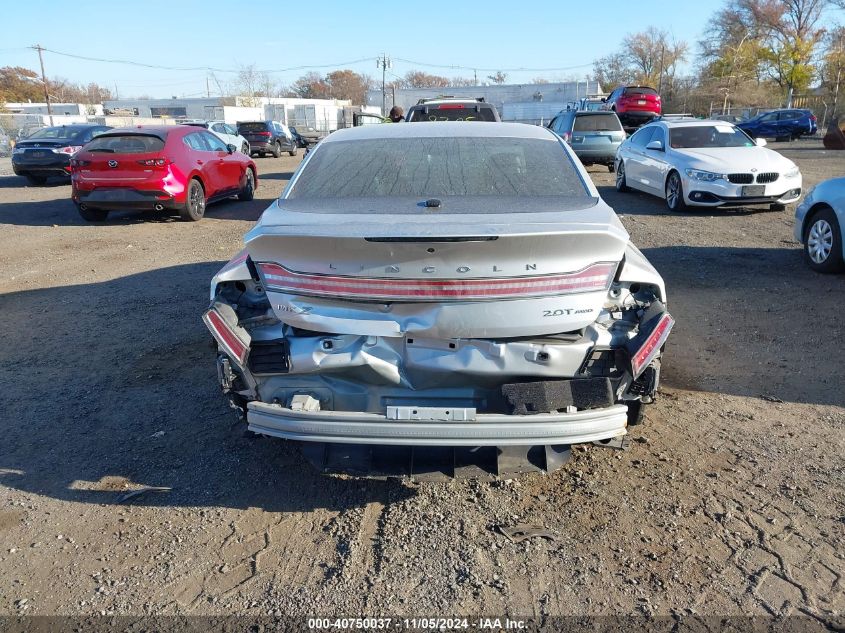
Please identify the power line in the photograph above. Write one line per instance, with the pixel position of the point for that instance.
(492, 70)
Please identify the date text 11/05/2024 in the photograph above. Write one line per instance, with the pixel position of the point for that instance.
(422, 623)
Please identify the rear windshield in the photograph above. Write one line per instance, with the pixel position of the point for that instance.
(56, 132)
(252, 127)
(597, 123)
(453, 112)
(126, 144)
(640, 91)
(441, 166)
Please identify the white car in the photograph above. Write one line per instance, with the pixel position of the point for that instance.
(705, 163)
(222, 130)
(819, 221)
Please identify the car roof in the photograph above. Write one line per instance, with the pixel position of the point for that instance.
(160, 131)
(689, 122)
(426, 129)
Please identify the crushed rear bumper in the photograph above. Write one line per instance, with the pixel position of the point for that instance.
(486, 429)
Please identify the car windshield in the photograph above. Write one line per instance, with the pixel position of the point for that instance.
(597, 123)
(454, 112)
(704, 136)
(55, 132)
(252, 127)
(440, 166)
(126, 144)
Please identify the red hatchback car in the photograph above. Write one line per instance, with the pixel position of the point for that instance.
(180, 167)
(634, 105)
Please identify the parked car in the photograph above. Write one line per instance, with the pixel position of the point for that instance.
(452, 109)
(48, 150)
(300, 142)
(222, 130)
(461, 289)
(634, 105)
(593, 136)
(268, 137)
(693, 162)
(782, 125)
(180, 168)
(591, 103)
(819, 220)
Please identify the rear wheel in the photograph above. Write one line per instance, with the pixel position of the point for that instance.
(92, 215)
(823, 242)
(277, 149)
(611, 167)
(35, 179)
(248, 192)
(621, 183)
(294, 150)
(675, 193)
(245, 149)
(194, 207)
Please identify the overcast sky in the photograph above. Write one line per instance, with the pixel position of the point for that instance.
(483, 34)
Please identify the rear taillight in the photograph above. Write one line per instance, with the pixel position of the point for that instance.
(69, 149)
(595, 277)
(224, 335)
(154, 162)
(267, 134)
(566, 136)
(813, 118)
(75, 162)
(651, 347)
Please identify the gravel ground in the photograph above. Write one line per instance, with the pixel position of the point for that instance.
(729, 502)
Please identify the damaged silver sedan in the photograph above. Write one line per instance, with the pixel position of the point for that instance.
(439, 298)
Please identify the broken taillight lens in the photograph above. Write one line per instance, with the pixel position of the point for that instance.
(651, 347)
(593, 278)
(224, 335)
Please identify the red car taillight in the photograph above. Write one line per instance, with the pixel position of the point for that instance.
(451, 106)
(75, 162)
(224, 335)
(155, 162)
(566, 136)
(267, 134)
(650, 348)
(595, 277)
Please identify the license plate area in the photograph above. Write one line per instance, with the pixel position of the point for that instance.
(640, 101)
(749, 191)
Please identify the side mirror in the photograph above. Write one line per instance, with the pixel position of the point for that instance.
(656, 145)
(604, 99)
(760, 142)
(231, 148)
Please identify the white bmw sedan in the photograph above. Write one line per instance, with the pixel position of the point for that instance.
(705, 163)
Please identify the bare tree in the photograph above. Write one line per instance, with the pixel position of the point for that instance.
(247, 85)
(613, 70)
(654, 56)
(498, 77)
(420, 79)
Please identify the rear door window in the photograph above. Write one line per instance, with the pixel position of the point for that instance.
(643, 136)
(214, 143)
(195, 141)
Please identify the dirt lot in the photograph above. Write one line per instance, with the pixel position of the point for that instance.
(730, 500)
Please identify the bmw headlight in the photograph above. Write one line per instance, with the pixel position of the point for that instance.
(703, 176)
(792, 173)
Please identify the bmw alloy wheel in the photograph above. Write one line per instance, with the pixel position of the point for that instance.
(820, 241)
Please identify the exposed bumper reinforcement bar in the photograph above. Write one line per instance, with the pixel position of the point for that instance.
(487, 430)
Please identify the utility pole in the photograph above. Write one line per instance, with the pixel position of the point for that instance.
(207, 88)
(475, 76)
(44, 82)
(384, 63)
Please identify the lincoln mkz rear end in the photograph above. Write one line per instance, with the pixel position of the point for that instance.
(439, 297)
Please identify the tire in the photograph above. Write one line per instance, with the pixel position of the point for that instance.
(675, 193)
(248, 192)
(294, 151)
(35, 180)
(823, 242)
(92, 215)
(261, 154)
(621, 182)
(277, 149)
(635, 412)
(194, 208)
(611, 167)
(245, 149)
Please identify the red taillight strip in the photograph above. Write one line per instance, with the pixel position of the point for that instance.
(652, 344)
(221, 331)
(593, 278)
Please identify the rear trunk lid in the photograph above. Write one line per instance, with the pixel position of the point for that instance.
(482, 273)
(124, 160)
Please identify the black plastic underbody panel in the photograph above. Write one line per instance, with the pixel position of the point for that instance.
(556, 395)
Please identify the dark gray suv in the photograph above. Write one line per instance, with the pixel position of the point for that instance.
(593, 136)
